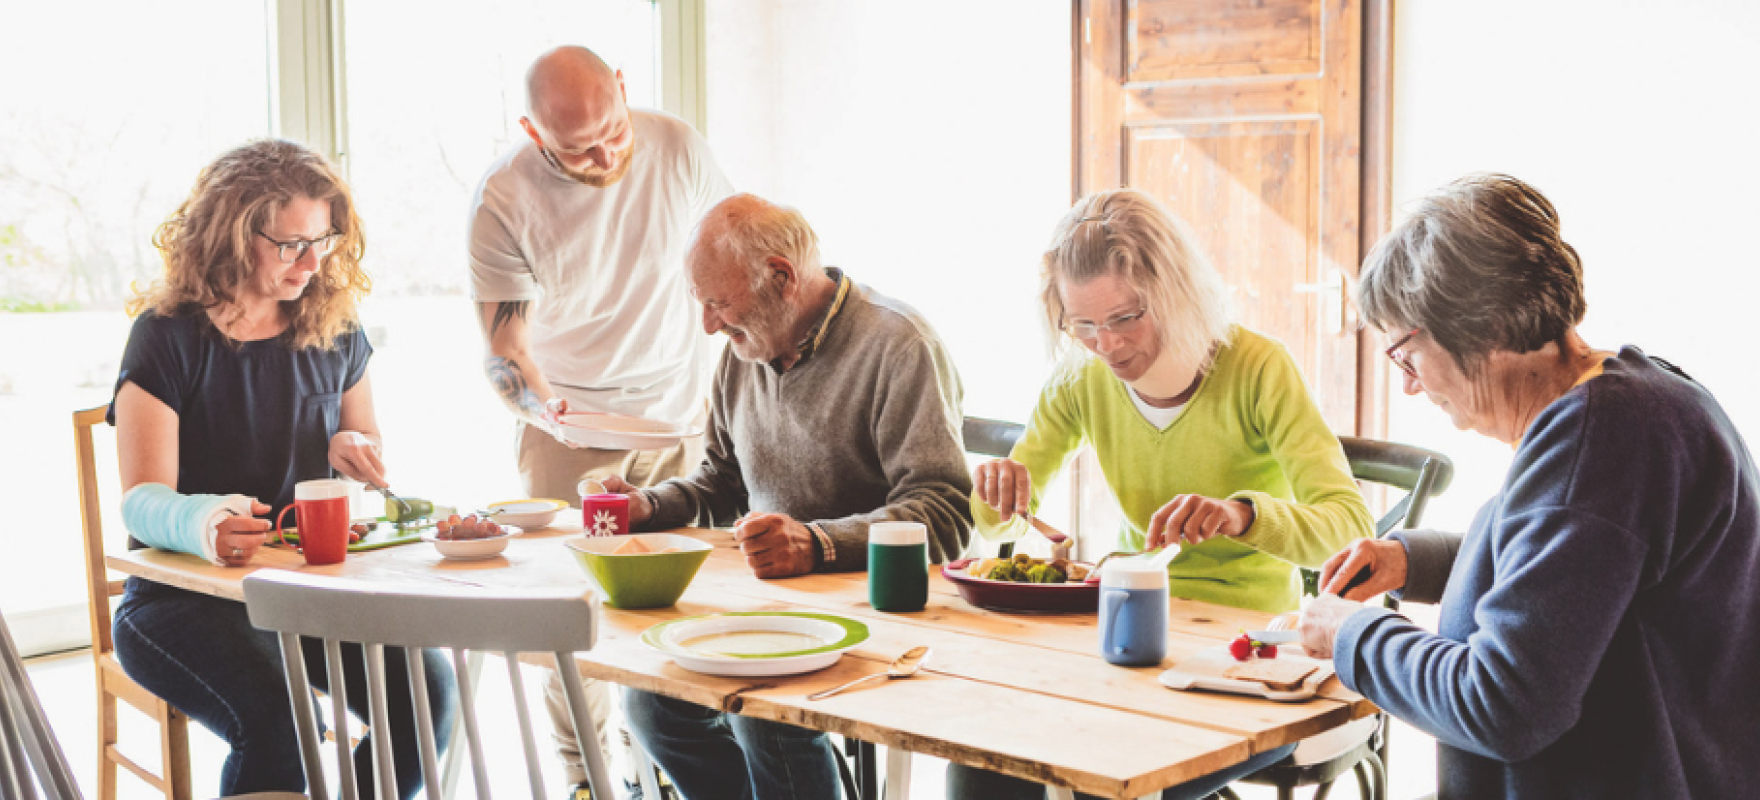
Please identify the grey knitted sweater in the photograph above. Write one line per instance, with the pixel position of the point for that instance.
(864, 428)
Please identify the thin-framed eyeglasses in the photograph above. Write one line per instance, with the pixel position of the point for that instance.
(1400, 357)
(1122, 325)
(295, 249)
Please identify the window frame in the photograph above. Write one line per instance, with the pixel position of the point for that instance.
(307, 42)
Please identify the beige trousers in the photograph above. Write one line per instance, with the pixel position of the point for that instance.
(552, 469)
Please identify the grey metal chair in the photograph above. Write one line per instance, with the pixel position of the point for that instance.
(991, 437)
(1362, 747)
(30, 757)
(994, 438)
(337, 610)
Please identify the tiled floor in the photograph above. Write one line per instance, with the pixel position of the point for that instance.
(65, 685)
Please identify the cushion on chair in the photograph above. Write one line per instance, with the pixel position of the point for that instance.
(1333, 743)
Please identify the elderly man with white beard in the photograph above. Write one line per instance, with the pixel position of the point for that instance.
(834, 407)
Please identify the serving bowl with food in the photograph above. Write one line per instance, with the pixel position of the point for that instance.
(1025, 583)
(640, 570)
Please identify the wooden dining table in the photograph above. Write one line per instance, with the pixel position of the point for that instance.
(1023, 694)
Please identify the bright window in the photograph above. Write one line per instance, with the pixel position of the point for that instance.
(102, 130)
(433, 99)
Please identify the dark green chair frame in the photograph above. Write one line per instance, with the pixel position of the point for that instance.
(1423, 474)
(994, 438)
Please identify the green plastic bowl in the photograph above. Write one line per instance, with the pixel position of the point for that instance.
(648, 580)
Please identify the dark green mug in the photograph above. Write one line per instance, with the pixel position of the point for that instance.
(898, 566)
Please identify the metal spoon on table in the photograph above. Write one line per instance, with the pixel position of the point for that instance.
(902, 667)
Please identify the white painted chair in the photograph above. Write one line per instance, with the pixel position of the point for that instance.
(337, 610)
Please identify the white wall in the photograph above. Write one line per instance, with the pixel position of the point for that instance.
(928, 144)
(1637, 119)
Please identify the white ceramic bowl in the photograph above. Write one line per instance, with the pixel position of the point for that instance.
(618, 432)
(530, 514)
(471, 549)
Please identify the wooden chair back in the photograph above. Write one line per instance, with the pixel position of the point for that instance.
(173, 779)
(561, 622)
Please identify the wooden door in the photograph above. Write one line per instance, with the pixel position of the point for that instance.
(1246, 118)
(1264, 124)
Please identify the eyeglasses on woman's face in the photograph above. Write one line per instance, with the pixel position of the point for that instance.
(295, 249)
(1121, 325)
(1402, 359)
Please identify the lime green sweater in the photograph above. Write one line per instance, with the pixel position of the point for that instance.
(1251, 432)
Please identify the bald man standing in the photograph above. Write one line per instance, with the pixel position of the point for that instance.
(577, 266)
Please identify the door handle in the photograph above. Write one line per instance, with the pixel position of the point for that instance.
(1332, 293)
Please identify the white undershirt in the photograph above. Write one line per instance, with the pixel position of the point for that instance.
(1159, 417)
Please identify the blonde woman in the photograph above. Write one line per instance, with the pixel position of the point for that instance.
(1204, 430)
(245, 373)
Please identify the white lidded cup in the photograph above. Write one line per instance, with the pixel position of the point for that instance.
(1133, 612)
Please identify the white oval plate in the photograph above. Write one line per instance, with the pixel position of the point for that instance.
(756, 643)
(531, 514)
(618, 432)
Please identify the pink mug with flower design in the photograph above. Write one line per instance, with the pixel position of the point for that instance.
(605, 514)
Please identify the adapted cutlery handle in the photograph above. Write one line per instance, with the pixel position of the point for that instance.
(835, 689)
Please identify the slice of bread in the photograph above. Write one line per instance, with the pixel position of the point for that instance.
(1280, 674)
(632, 547)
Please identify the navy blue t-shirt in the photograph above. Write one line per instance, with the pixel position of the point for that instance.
(254, 418)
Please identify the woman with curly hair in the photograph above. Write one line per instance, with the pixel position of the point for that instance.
(246, 373)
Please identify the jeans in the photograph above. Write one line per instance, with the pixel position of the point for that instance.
(971, 783)
(715, 756)
(201, 654)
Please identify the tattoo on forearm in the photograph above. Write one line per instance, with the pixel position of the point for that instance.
(510, 382)
(505, 313)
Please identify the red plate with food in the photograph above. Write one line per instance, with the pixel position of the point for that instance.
(1072, 594)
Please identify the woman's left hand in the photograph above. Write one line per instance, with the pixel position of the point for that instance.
(1192, 518)
(356, 455)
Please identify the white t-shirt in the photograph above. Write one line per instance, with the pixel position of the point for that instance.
(1159, 417)
(613, 327)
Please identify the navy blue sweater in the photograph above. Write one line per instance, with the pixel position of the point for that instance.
(1600, 624)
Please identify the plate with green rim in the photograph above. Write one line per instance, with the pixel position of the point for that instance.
(756, 643)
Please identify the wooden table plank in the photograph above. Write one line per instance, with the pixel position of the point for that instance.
(1023, 694)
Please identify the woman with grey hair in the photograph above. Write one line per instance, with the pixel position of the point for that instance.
(1204, 430)
(1599, 634)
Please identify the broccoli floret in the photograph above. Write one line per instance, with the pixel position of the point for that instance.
(1007, 571)
(1044, 573)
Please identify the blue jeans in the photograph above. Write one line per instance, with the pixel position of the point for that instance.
(201, 654)
(715, 756)
(971, 783)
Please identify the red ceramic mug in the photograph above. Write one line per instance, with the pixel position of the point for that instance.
(322, 510)
(605, 514)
